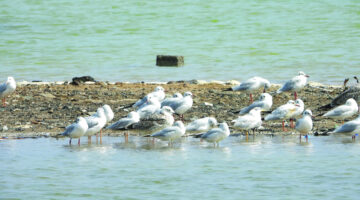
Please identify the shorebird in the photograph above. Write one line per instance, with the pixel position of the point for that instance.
(349, 128)
(342, 112)
(172, 99)
(251, 120)
(215, 135)
(202, 124)
(304, 125)
(124, 123)
(95, 123)
(7, 88)
(181, 105)
(299, 105)
(158, 93)
(171, 133)
(251, 85)
(265, 102)
(76, 130)
(149, 108)
(283, 112)
(295, 84)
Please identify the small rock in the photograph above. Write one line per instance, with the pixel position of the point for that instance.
(81, 80)
(48, 95)
(208, 104)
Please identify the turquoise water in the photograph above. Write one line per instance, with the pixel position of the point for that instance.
(262, 168)
(221, 40)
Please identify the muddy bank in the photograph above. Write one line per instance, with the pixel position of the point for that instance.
(47, 108)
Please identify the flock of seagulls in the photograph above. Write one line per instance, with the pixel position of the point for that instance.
(154, 106)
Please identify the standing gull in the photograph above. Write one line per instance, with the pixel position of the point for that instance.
(295, 84)
(299, 105)
(202, 124)
(251, 85)
(265, 102)
(124, 123)
(158, 93)
(7, 88)
(349, 128)
(171, 133)
(76, 130)
(252, 120)
(95, 123)
(349, 109)
(283, 112)
(304, 125)
(149, 108)
(181, 105)
(215, 135)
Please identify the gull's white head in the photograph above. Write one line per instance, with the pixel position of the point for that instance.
(188, 94)
(301, 73)
(351, 102)
(299, 103)
(177, 95)
(167, 109)
(307, 112)
(159, 88)
(108, 112)
(179, 124)
(267, 84)
(264, 96)
(213, 121)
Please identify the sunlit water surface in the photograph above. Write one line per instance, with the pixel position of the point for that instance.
(261, 168)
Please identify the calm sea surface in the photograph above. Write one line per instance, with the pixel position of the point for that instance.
(262, 168)
(221, 40)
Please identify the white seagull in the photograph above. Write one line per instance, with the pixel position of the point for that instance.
(347, 110)
(95, 123)
(265, 102)
(304, 125)
(7, 88)
(251, 85)
(171, 133)
(181, 105)
(283, 112)
(252, 120)
(124, 123)
(158, 93)
(76, 130)
(215, 135)
(349, 128)
(299, 105)
(149, 108)
(108, 113)
(202, 124)
(172, 99)
(295, 84)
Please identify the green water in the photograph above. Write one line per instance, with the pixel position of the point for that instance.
(221, 40)
(262, 168)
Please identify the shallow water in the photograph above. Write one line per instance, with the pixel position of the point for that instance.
(264, 167)
(221, 40)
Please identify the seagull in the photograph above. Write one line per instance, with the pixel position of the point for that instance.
(171, 133)
(124, 123)
(304, 124)
(158, 93)
(299, 104)
(202, 124)
(95, 123)
(252, 120)
(215, 135)
(149, 108)
(295, 84)
(108, 113)
(181, 105)
(349, 128)
(264, 102)
(174, 98)
(344, 111)
(251, 85)
(283, 112)
(7, 88)
(76, 130)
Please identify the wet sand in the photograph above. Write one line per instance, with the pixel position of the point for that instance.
(45, 109)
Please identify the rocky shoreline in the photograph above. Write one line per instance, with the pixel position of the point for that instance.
(39, 109)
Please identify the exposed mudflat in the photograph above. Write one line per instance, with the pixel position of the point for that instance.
(46, 109)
